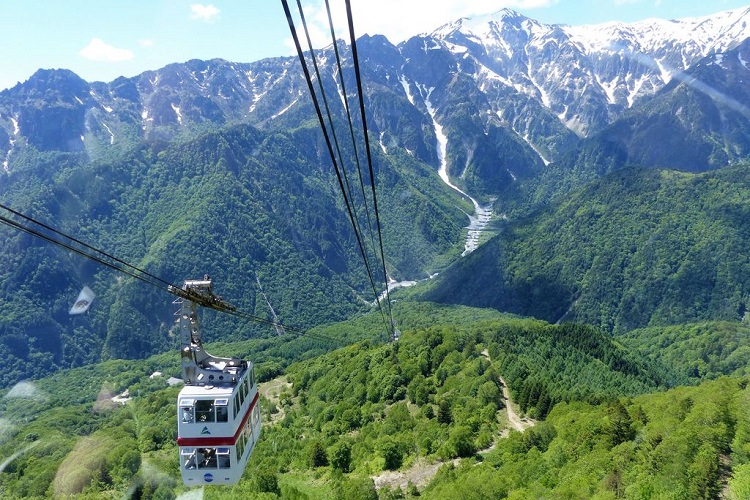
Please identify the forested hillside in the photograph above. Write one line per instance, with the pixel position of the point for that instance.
(608, 313)
(336, 420)
(216, 167)
(700, 350)
(665, 445)
(636, 248)
(235, 203)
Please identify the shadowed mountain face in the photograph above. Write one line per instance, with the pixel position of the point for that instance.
(637, 248)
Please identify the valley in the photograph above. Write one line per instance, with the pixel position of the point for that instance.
(482, 215)
(583, 335)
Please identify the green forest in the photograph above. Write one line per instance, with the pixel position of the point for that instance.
(607, 422)
(595, 346)
(637, 248)
(236, 203)
(614, 319)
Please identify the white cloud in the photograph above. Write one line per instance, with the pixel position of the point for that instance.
(414, 17)
(146, 43)
(208, 13)
(621, 3)
(98, 50)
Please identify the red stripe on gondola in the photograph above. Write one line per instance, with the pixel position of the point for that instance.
(219, 440)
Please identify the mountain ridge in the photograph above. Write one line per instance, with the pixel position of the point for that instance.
(94, 157)
(553, 65)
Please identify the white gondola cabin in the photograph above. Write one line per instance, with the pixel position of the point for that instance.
(218, 414)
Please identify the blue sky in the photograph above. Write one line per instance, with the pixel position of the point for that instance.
(103, 39)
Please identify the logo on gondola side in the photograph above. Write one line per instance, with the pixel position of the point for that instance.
(205, 430)
(208, 477)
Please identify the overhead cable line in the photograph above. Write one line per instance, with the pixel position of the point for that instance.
(279, 329)
(351, 125)
(341, 165)
(357, 225)
(349, 117)
(360, 93)
(327, 138)
(85, 251)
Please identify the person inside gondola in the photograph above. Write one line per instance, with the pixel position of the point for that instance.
(209, 458)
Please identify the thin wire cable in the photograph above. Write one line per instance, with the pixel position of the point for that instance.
(324, 98)
(33, 232)
(316, 104)
(341, 164)
(351, 128)
(355, 60)
(83, 244)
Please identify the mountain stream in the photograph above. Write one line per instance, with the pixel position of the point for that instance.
(477, 221)
(482, 215)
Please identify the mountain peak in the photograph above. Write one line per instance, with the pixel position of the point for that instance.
(717, 32)
(54, 78)
(508, 14)
(61, 84)
(481, 23)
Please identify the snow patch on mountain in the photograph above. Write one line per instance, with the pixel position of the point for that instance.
(407, 91)
(382, 144)
(286, 108)
(482, 215)
(12, 142)
(111, 135)
(563, 66)
(698, 36)
(609, 89)
(177, 113)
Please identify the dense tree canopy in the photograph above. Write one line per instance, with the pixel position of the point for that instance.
(605, 427)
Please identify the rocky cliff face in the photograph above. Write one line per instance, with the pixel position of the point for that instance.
(511, 94)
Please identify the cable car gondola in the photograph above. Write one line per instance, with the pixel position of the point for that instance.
(218, 415)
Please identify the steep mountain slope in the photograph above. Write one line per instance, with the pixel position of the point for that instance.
(162, 170)
(156, 105)
(636, 248)
(695, 123)
(234, 203)
(510, 93)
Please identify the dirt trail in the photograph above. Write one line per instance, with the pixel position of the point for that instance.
(421, 473)
(272, 390)
(518, 423)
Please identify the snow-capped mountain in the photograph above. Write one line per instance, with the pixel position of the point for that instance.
(550, 88)
(508, 94)
(569, 68)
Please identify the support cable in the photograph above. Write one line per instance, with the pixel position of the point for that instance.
(128, 269)
(95, 254)
(351, 130)
(316, 104)
(355, 59)
(341, 164)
